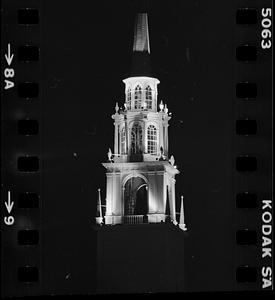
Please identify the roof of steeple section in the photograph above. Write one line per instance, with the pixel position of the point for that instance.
(141, 65)
(141, 34)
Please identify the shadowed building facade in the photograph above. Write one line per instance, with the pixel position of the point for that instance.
(140, 241)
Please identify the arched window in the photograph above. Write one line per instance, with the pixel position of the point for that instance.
(122, 141)
(135, 198)
(138, 95)
(148, 97)
(136, 139)
(151, 139)
(128, 99)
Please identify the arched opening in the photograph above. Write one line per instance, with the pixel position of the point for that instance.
(148, 97)
(129, 98)
(138, 96)
(135, 197)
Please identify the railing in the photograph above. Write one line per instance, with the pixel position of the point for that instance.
(135, 219)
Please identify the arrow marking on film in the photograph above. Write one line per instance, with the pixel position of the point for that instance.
(9, 205)
(9, 57)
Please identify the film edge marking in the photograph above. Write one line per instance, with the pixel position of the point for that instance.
(9, 71)
(9, 205)
(266, 270)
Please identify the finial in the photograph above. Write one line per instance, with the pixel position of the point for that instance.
(182, 221)
(161, 106)
(110, 155)
(99, 218)
(116, 107)
(162, 156)
(172, 160)
(165, 109)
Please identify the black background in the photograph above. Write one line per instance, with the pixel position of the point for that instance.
(85, 53)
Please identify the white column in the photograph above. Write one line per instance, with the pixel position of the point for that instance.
(160, 137)
(166, 139)
(127, 137)
(164, 194)
(116, 139)
(116, 210)
(172, 201)
(144, 137)
(173, 210)
(109, 195)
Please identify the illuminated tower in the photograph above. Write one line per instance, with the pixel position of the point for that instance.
(140, 189)
(140, 177)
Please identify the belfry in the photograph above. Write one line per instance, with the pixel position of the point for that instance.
(140, 236)
(140, 175)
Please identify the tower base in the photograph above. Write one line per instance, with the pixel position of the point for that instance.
(140, 258)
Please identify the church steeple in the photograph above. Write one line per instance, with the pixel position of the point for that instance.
(140, 187)
(140, 175)
(141, 65)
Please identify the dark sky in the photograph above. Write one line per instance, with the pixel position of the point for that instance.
(85, 54)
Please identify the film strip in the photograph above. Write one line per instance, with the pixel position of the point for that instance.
(21, 137)
(22, 153)
(253, 193)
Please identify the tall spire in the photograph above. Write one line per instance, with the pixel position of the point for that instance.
(141, 47)
(141, 34)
